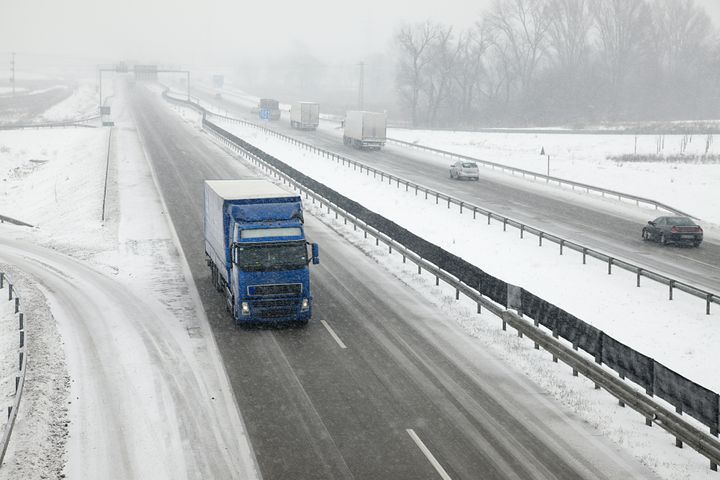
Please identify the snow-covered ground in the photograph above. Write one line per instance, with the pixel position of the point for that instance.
(690, 187)
(148, 394)
(612, 304)
(82, 103)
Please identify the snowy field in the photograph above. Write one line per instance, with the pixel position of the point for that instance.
(82, 103)
(691, 187)
(612, 304)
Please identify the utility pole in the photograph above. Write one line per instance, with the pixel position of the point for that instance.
(361, 87)
(12, 69)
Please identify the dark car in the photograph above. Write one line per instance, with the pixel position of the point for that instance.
(681, 230)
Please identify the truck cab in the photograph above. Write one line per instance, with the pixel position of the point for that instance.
(264, 268)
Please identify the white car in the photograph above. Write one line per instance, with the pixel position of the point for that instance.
(464, 169)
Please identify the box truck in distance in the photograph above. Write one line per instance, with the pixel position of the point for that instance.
(269, 109)
(365, 130)
(305, 115)
(256, 249)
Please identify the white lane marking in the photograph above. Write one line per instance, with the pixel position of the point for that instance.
(334, 335)
(433, 461)
(700, 262)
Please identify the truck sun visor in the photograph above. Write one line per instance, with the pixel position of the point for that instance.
(266, 212)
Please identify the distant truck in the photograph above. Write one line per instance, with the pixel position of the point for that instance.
(257, 253)
(218, 81)
(305, 115)
(269, 109)
(365, 130)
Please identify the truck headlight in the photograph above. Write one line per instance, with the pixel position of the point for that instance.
(245, 308)
(305, 305)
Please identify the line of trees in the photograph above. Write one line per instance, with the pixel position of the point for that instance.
(562, 62)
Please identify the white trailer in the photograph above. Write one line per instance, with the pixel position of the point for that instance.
(365, 130)
(305, 115)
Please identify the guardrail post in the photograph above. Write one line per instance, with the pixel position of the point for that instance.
(620, 402)
(22, 338)
(574, 370)
(707, 303)
(670, 285)
(437, 198)
(461, 205)
(10, 291)
(474, 212)
(540, 237)
(678, 442)
(522, 230)
(639, 272)
(17, 304)
(2, 279)
(457, 294)
(610, 261)
(489, 216)
(448, 203)
(437, 281)
(562, 244)
(419, 270)
(504, 224)
(21, 321)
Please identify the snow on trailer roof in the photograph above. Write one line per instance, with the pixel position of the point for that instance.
(246, 189)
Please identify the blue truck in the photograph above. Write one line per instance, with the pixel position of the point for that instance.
(256, 249)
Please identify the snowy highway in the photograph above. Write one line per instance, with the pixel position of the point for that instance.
(602, 225)
(379, 384)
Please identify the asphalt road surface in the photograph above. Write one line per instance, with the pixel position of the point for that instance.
(587, 223)
(410, 396)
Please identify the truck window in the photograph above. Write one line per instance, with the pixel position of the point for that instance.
(272, 257)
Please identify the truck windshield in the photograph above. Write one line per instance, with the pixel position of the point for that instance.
(271, 257)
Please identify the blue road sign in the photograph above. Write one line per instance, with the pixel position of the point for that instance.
(265, 114)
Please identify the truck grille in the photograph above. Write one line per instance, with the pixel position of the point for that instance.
(275, 308)
(278, 289)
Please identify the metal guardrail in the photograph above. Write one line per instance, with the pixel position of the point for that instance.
(80, 122)
(610, 260)
(604, 192)
(22, 367)
(4, 219)
(626, 394)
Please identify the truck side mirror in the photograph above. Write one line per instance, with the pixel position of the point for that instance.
(234, 254)
(315, 254)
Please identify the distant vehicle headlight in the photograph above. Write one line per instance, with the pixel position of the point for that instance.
(245, 308)
(305, 305)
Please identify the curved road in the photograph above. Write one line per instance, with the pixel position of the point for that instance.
(546, 208)
(407, 378)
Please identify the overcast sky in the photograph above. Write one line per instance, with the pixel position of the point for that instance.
(218, 31)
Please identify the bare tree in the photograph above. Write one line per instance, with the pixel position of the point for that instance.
(520, 35)
(470, 69)
(682, 33)
(439, 80)
(414, 43)
(622, 27)
(569, 26)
